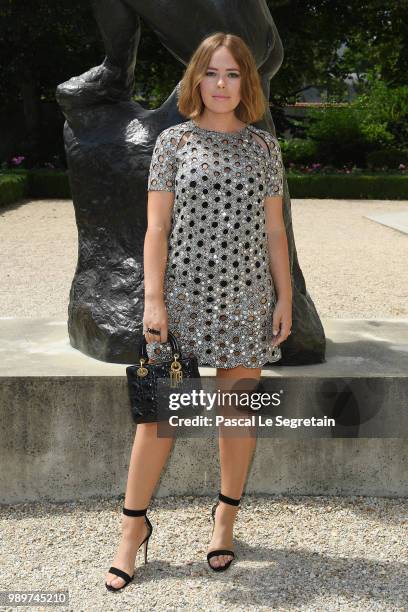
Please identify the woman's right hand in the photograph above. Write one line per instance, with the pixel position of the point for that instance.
(155, 317)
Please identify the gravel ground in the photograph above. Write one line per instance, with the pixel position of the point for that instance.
(354, 267)
(292, 553)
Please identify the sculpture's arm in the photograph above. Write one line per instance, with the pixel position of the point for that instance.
(120, 29)
(181, 25)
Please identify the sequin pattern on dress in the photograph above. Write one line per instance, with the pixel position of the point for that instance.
(218, 289)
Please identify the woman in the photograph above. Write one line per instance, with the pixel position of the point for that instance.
(215, 251)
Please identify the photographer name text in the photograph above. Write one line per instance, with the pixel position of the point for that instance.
(250, 421)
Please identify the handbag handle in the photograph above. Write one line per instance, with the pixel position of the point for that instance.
(171, 338)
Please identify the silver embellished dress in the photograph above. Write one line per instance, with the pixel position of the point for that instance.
(218, 289)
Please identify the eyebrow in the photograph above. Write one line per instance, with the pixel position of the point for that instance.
(212, 68)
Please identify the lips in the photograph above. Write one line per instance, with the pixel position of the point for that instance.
(221, 97)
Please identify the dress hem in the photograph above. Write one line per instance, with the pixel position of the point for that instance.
(251, 367)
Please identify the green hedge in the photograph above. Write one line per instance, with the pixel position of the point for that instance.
(13, 187)
(49, 184)
(19, 184)
(349, 186)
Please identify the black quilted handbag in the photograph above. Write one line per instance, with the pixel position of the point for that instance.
(150, 384)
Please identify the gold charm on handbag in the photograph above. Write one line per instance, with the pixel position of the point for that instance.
(176, 373)
(141, 370)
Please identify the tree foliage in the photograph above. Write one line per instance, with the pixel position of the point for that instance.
(326, 41)
(45, 43)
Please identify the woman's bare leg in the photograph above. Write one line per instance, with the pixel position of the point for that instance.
(236, 446)
(149, 455)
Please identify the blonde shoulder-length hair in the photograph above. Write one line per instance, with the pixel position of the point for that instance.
(252, 105)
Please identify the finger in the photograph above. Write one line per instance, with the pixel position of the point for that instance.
(280, 338)
(276, 326)
(276, 334)
(149, 338)
(152, 337)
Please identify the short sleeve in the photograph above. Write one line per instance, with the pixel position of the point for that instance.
(274, 185)
(163, 167)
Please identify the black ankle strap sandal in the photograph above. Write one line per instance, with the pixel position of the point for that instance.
(120, 573)
(226, 500)
(134, 512)
(216, 553)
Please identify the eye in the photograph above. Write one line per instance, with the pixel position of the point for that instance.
(211, 72)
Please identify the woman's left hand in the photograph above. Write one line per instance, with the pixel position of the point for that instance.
(282, 321)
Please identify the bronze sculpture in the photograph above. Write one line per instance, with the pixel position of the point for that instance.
(109, 141)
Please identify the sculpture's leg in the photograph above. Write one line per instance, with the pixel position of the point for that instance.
(113, 80)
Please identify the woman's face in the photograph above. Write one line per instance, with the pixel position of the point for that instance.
(220, 87)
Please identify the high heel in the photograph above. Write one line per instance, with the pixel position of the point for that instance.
(215, 553)
(120, 573)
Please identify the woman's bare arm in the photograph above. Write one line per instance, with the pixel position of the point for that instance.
(279, 266)
(159, 212)
(278, 247)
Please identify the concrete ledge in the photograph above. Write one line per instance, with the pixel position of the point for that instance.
(66, 431)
